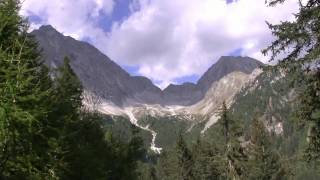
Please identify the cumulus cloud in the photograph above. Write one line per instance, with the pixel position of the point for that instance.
(76, 18)
(169, 39)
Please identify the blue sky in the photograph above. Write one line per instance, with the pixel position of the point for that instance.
(120, 12)
(164, 40)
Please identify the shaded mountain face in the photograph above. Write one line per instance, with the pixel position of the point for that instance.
(109, 81)
(227, 65)
(95, 70)
(188, 93)
(185, 94)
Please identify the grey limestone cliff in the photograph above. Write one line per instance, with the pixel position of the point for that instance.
(108, 80)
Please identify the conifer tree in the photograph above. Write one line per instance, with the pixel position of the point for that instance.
(44, 131)
(84, 151)
(207, 160)
(298, 42)
(166, 165)
(234, 155)
(225, 122)
(132, 152)
(24, 95)
(147, 171)
(176, 163)
(264, 162)
(68, 92)
(185, 161)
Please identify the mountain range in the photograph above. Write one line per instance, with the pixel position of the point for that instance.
(190, 107)
(102, 76)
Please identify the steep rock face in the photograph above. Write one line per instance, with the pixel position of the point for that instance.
(223, 90)
(109, 81)
(194, 120)
(185, 94)
(188, 93)
(95, 70)
(224, 66)
(269, 97)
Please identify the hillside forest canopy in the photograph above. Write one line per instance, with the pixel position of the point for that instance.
(47, 133)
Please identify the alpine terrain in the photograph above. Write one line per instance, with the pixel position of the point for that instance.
(113, 91)
(68, 111)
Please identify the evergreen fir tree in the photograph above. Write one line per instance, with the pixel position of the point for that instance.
(207, 160)
(264, 162)
(234, 155)
(176, 163)
(166, 165)
(82, 149)
(299, 41)
(185, 161)
(24, 106)
(44, 131)
(147, 171)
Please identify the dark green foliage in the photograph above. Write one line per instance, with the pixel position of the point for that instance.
(274, 103)
(220, 157)
(185, 161)
(264, 162)
(207, 158)
(68, 92)
(121, 128)
(299, 41)
(225, 121)
(45, 132)
(270, 98)
(85, 150)
(300, 38)
(273, 99)
(24, 100)
(176, 163)
(269, 95)
(234, 155)
(310, 112)
(147, 171)
(168, 128)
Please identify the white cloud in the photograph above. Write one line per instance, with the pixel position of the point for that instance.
(77, 18)
(169, 39)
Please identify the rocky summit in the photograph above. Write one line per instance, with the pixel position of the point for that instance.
(102, 76)
(193, 107)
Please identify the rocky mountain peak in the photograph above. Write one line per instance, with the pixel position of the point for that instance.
(224, 66)
(48, 28)
(100, 75)
(97, 72)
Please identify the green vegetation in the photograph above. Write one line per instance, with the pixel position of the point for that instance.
(299, 42)
(46, 132)
(169, 127)
(286, 95)
(226, 155)
(263, 162)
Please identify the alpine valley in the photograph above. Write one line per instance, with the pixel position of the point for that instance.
(163, 114)
(68, 111)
